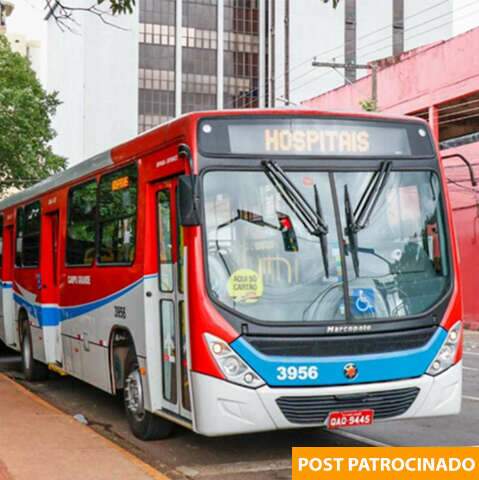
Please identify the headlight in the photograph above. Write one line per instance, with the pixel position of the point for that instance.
(232, 366)
(446, 356)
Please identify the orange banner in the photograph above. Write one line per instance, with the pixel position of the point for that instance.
(386, 463)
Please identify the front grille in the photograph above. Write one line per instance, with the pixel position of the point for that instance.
(390, 403)
(332, 346)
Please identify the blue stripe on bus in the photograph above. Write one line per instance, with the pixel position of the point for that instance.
(371, 368)
(46, 316)
(49, 316)
(72, 312)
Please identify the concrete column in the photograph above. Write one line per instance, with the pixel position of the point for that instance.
(220, 57)
(178, 58)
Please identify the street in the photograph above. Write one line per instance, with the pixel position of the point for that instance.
(187, 455)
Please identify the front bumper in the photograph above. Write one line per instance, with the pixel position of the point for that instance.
(223, 408)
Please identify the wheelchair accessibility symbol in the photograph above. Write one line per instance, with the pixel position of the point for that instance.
(363, 300)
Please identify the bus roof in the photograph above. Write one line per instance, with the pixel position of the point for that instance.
(152, 139)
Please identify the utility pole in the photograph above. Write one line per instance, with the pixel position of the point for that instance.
(286, 49)
(372, 67)
(350, 39)
(273, 53)
(398, 27)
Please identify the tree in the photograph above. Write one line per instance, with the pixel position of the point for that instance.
(25, 123)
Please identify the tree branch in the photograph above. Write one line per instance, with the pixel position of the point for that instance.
(64, 15)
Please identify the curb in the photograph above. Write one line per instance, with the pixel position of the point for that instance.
(147, 469)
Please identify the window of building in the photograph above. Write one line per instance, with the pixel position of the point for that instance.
(199, 55)
(117, 207)
(423, 114)
(28, 236)
(241, 56)
(459, 121)
(156, 103)
(81, 224)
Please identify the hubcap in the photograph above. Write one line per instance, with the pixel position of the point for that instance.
(26, 353)
(134, 395)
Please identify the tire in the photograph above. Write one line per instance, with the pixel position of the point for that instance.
(33, 370)
(143, 424)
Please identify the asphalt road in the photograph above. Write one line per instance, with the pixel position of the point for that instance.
(187, 455)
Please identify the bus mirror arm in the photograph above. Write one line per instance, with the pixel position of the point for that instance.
(188, 200)
(466, 162)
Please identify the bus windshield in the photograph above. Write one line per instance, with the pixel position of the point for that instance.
(267, 263)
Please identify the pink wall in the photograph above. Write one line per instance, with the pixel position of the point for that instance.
(465, 201)
(419, 80)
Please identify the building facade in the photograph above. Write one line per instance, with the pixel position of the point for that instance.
(175, 56)
(439, 83)
(94, 69)
(197, 55)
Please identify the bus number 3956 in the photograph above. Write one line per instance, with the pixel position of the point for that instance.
(297, 373)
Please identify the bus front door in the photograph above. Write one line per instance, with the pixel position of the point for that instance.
(173, 320)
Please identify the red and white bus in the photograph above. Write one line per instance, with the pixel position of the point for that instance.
(243, 271)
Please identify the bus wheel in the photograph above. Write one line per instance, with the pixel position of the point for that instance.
(32, 369)
(143, 424)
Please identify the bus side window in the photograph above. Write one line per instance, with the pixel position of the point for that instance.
(20, 218)
(165, 241)
(31, 235)
(81, 230)
(117, 207)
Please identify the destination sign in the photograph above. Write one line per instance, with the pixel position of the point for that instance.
(297, 140)
(313, 137)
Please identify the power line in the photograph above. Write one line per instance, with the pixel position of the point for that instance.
(414, 36)
(339, 47)
(426, 31)
(376, 41)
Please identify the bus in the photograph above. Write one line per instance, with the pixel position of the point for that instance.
(244, 271)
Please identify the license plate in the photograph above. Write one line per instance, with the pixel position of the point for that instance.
(355, 418)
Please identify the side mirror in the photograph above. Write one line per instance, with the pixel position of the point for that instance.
(188, 203)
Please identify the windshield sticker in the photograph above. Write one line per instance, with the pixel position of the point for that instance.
(363, 300)
(245, 286)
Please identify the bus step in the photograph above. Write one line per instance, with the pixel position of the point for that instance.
(57, 369)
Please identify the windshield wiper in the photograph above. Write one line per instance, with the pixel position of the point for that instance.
(358, 219)
(311, 217)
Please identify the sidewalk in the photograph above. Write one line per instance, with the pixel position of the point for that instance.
(38, 441)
